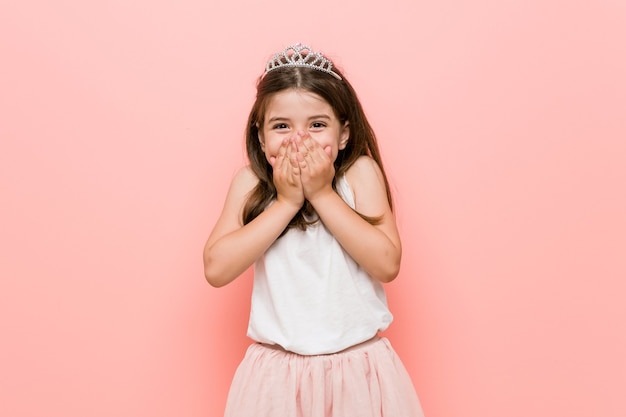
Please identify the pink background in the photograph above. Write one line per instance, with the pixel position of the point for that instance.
(503, 127)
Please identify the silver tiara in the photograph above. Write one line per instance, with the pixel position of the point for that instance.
(300, 55)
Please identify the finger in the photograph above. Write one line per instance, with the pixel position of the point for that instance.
(280, 157)
(304, 149)
(301, 160)
(308, 142)
(294, 158)
(287, 158)
(314, 150)
(282, 151)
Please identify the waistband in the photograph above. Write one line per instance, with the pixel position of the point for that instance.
(348, 349)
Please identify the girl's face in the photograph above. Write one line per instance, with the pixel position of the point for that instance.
(291, 111)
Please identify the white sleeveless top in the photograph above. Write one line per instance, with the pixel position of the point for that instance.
(310, 297)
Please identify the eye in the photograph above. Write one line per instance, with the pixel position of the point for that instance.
(318, 125)
(279, 126)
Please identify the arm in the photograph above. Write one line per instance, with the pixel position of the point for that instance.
(376, 248)
(232, 247)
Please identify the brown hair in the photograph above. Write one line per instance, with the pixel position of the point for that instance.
(343, 99)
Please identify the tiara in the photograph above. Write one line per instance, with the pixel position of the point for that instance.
(300, 55)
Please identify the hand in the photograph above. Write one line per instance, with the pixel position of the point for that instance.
(316, 167)
(286, 173)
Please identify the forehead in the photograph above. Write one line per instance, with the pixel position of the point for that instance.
(296, 102)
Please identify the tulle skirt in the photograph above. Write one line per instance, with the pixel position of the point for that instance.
(366, 381)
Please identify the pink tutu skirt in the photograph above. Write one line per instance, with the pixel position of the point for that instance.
(366, 381)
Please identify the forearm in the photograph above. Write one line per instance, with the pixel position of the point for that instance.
(228, 257)
(367, 244)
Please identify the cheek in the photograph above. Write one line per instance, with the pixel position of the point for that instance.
(272, 147)
(330, 146)
(325, 140)
(332, 141)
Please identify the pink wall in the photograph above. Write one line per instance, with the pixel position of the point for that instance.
(504, 131)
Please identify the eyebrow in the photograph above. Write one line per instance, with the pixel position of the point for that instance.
(281, 119)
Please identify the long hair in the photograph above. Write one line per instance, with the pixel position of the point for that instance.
(345, 103)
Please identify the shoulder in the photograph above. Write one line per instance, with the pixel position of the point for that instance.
(367, 182)
(246, 174)
(363, 171)
(244, 180)
(241, 186)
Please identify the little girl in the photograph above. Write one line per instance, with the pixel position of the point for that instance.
(313, 213)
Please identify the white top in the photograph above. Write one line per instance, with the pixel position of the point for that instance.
(310, 297)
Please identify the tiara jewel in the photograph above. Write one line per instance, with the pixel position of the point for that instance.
(300, 55)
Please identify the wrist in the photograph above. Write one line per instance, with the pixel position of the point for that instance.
(290, 207)
(321, 196)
